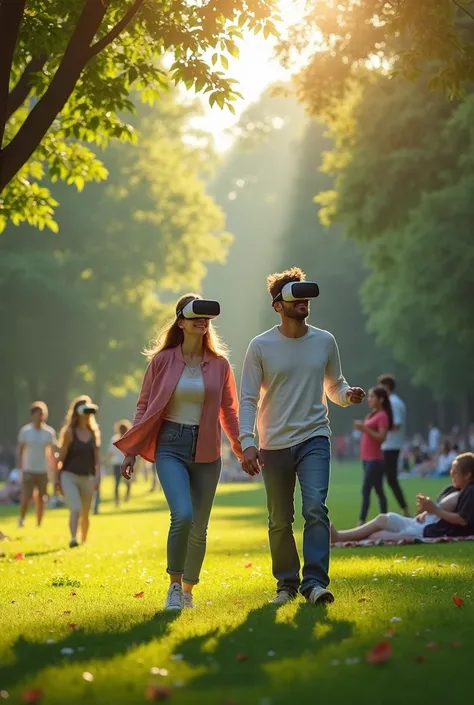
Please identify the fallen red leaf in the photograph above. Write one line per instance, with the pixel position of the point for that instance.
(380, 653)
(72, 625)
(139, 594)
(158, 692)
(19, 556)
(242, 657)
(432, 645)
(32, 696)
(419, 659)
(248, 565)
(458, 601)
(455, 644)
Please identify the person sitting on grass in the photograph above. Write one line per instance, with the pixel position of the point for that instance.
(451, 515)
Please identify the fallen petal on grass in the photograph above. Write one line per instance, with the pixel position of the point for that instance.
(139, 594)
(32, 696)
(19, 556)
(395, 620)
(158, 693)
(432, 645)
(66, 651)
(72, 625)
(458, 601)
(4, 695)
(241, 657)
(380, 653)
(455, 644)
(88, 676)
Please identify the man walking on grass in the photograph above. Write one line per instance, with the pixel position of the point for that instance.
(291, 369)
(394, 441)
(35, 453)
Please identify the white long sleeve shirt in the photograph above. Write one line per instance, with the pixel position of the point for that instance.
(287, 380)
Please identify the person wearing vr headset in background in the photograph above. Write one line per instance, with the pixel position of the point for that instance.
(79, 462)
(288, 371)
(188, 392)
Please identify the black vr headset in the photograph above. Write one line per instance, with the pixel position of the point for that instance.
(298, 291)
(199, 308)
(86, 409)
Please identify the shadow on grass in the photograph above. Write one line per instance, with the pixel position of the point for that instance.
(240, 657)
(30, 658)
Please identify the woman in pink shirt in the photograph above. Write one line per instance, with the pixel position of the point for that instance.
(188, 392)
(374, 431)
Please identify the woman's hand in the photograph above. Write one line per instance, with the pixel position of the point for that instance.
(425, 504)
(421, 518)
(358, 425)
(128, 466)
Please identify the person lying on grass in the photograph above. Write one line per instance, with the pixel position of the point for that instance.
(451, 515)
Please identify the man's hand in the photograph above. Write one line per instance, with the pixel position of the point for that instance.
(252, 462)
(128, 466)
(57, 484)
(355, 395)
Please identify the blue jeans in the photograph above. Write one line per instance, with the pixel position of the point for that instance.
(373, 478)
(189, 488)
(309, 461)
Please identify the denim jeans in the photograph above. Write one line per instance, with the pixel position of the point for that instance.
(310, 463)
(189, 489)
(373, 478)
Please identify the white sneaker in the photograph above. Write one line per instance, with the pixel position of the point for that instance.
(320, 596)
(188, 601)
(282, 597)
(21, 523)
(174, 598)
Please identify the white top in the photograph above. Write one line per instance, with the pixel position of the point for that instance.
(288, 380)
(38, 442)
(187, 399)
(434, 438)
(116, 455)
(396, 439)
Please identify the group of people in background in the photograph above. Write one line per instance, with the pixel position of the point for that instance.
(279, 428)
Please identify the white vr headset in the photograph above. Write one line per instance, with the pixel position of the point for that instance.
(86, 409)
(298, 291)
(199, 308)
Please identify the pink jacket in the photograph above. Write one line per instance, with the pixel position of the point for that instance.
(220, 407)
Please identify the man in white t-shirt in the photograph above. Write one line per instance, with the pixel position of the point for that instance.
(35, 451)
(394, 441)
(434, 440)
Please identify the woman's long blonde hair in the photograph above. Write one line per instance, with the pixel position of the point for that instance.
(72, 420)
(171, 335)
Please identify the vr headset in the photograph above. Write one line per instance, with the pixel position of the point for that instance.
(298, 291)
(199, 308)
(87, 409)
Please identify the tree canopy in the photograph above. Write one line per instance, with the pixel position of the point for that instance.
(403, 169)
(67, 71)
(78, 306)
(396, 36)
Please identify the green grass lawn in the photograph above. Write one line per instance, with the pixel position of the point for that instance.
(298, 653)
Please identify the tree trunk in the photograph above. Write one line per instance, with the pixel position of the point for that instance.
(57, 396)
(43, 114)
(8, 409)
(441, 415)
(464, 415)
(11, 13)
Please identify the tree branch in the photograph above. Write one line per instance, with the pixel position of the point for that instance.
(119, 27)
(20, 92)
(11, 14)
(464, 9)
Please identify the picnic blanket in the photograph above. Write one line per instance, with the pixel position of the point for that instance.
(368, 543)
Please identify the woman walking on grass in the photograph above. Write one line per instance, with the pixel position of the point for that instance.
(79, 462)
(374, 431)
(188, 392)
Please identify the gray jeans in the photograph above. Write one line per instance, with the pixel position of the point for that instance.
(189, 488)
(310, 463)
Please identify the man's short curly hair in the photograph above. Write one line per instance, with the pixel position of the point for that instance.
(276, 282)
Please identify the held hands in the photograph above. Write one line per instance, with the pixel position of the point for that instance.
(252, 462)
(355, 395)
(128, 466)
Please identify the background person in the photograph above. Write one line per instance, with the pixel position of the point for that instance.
(35, 458)
(116, 459)
(79, 458)
(187, 394)
(452, 514)
(393, 444)
(374, 431)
